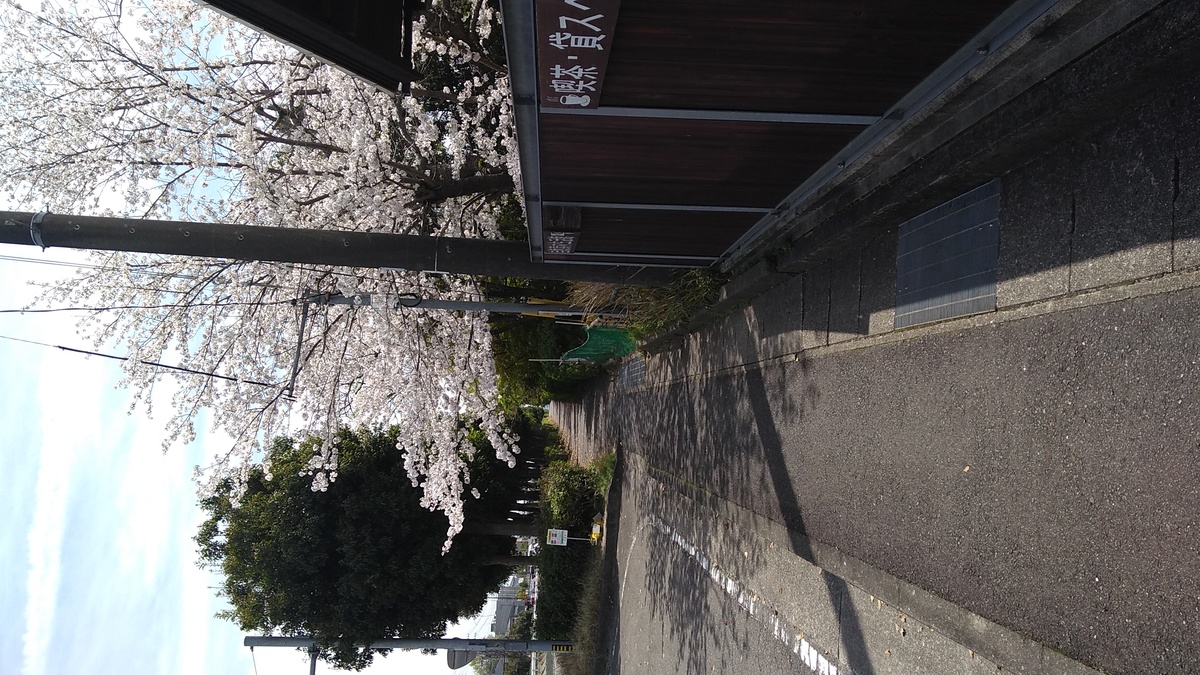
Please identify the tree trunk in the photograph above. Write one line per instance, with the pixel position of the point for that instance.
(487, 183)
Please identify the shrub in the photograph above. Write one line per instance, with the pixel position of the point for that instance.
(571, 496)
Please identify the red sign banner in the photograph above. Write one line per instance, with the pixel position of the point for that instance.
(574, 40)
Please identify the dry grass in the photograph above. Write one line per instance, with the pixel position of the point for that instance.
(651, 311)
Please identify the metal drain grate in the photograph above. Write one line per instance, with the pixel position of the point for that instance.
(632, 373)
(946, 259)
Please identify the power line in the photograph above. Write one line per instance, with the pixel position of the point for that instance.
(480, 621)
(115, 308)
(89, 266)
(165, 366)
(50, 262)
(312, 269)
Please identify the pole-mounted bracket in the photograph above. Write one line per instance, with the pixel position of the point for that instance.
(407, 300)
(35, 229)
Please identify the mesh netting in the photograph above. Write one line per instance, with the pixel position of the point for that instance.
(603, 343)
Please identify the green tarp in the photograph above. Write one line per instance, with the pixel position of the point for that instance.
(604, 343)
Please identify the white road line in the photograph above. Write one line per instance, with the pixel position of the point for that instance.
(748, 600)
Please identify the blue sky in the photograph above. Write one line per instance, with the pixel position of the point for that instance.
(96, 545)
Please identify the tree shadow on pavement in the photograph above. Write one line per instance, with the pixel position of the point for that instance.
(717, 436)
(855, 651)
(677, 589)
(1059, 214)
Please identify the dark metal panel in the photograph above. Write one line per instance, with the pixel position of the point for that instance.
(659, 232)
(364, 37)
(658, 207)
(946, 259)
(616, 260)
(685, 162)
(818, 56)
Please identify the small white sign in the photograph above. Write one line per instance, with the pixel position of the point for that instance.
(556, 537)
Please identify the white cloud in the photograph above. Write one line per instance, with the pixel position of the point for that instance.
(45, 564)
(67, 429)
(152, 501)
(195, 618)
(196, 592)
(63, 406)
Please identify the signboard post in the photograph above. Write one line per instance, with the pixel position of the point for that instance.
(560, 537)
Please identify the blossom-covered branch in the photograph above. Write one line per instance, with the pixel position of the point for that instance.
(165, 108)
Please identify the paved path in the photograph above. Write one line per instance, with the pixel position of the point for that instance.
(1040, 472)
(704, 586)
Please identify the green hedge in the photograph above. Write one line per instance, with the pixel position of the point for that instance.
(571, 496)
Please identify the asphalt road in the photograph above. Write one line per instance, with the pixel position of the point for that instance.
(1041, 473)
(674, 619)
(700, 589)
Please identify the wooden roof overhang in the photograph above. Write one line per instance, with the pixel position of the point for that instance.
(707, 120)
(371, 39)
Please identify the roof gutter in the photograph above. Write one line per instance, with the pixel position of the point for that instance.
(520, 40)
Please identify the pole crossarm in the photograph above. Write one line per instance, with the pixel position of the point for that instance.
(454, 255)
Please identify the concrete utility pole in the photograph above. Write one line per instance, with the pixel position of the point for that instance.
(412, 301)
(482, 644)
(460, 651)
(484, 257)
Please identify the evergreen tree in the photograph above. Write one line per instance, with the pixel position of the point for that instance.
(357, 562)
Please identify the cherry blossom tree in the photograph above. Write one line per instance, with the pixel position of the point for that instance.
(165, 108)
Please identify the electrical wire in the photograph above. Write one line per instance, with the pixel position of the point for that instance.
(82, 265)
(165, 366)
(52, 263)
(117, 308)
(89, 266)
(94, 266)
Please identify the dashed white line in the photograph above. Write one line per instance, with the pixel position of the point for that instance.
(748, 600)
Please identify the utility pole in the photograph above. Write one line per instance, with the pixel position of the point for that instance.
(457, 648)
(413, 301)
(455, 255)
